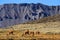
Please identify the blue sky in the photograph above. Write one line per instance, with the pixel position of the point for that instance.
(47, 2)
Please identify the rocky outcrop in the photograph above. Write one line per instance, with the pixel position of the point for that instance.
(12, 14)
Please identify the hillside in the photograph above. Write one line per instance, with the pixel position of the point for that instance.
(50, 24)
(55, 18)
(48, 27)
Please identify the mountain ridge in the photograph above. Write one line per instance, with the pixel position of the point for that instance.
(13, 14)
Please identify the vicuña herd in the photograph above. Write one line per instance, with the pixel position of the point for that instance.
(28, 32)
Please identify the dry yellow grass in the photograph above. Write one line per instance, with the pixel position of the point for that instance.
(43, 28)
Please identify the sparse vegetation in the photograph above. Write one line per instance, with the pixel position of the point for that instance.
(44, 29)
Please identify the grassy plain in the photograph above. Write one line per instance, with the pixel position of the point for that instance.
(48, 31)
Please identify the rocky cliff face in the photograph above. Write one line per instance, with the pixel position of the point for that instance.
(12, 14)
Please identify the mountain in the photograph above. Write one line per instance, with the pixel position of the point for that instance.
(12, 14)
